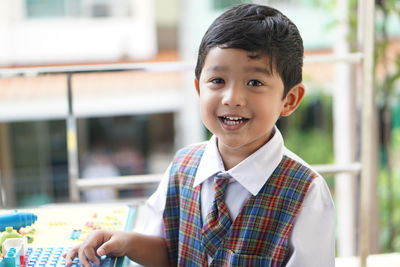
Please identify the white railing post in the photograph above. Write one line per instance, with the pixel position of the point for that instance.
(368, 128)
(344, 135)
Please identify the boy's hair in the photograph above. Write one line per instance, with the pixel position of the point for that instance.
(262, 30)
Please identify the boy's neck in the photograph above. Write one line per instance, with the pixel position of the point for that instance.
(233, 156)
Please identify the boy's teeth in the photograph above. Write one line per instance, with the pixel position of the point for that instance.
(233, 120)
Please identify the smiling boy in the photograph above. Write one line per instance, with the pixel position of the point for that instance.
(241, 198)
(241, 99)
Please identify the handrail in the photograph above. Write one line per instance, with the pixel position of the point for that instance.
(326, 169)
(119, 181)
(133, 180)
(168, 66)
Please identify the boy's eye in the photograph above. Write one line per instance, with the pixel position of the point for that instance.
(217, 80)
(254, 83)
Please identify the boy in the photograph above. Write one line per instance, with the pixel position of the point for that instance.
(240, 199)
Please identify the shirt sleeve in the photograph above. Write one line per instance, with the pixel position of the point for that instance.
(151, 213)
(312, 241)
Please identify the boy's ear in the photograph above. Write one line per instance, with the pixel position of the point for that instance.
(196, 85)
(293, 99)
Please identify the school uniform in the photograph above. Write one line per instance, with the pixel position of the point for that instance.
(282, 210)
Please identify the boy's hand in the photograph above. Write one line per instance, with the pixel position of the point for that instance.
(99, 243)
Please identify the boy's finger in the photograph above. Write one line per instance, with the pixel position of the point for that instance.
(108, 247)
(91, 256)
(84, 261)
(70, 255)
(101, 251)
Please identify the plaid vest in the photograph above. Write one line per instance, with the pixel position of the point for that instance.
(259, 236)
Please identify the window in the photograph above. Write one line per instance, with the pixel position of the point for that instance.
(109, 146)
(77, 8)
(46, 8)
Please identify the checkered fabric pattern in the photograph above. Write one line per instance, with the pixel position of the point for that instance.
(218, 221)
(182, 215)
(259, 236)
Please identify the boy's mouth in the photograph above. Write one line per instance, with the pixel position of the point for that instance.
(232, 120)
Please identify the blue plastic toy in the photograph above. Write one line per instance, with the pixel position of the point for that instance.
(17, 220)
(39, 257)
(12, 258)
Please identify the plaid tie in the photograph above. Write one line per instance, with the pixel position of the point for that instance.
(218, 220)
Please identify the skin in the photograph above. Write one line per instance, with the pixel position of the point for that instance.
(240, 102)
(145, 250)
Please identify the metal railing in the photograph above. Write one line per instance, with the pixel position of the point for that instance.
(76, 184)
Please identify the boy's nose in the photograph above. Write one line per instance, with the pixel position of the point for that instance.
(234, 96)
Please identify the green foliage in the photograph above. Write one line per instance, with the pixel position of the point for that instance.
(314, 146)
(308, 132)
(388, 219)
(389, 175)
(396, 138)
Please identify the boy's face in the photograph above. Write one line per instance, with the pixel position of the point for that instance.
(240, 100)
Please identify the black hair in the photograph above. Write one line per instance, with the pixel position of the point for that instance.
(262, 30)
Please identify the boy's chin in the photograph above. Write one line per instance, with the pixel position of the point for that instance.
(240, 143)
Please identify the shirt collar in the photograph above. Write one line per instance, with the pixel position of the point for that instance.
(262, 163)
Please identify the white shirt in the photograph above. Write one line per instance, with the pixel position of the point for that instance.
(312, 241)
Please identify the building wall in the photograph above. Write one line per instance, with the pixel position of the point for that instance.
(55, 40)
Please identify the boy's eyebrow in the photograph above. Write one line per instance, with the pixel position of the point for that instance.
(217, 68)
(259, 69)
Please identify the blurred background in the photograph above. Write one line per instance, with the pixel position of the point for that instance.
(131, 122)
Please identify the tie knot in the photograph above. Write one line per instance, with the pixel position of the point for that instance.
(220, 183)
